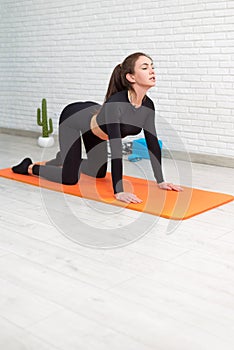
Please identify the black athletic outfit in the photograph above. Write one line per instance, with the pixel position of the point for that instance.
(118, 118)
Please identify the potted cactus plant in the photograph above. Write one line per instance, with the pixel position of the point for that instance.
(47, 126)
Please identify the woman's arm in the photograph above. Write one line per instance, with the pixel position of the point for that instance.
(112, 121)
(153, 146)
(112, 118)
(155, 153)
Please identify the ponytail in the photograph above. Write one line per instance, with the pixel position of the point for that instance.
(115, 83)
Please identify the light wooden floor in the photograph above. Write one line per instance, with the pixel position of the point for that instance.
(165, 291)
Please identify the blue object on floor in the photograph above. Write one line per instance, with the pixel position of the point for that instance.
(134, 157)
(140, 150)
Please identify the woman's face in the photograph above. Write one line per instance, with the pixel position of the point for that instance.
(144, 74)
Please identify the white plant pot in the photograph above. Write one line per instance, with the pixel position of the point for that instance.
(45, 141)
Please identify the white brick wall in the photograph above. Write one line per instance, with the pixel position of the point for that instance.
(65, 51)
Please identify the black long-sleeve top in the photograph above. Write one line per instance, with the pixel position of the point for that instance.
(118, 118)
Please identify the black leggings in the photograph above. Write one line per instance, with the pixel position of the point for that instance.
(74, 122)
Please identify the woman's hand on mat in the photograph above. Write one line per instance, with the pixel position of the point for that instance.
(127, 197)
(169, 186)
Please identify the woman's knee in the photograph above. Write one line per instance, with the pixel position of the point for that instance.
(92, 169)
(102, 171)
(70, 180)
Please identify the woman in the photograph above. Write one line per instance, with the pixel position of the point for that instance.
(126, 111)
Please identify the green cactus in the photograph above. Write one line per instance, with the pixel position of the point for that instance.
(44, 121)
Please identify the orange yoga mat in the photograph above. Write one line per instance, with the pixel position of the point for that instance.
(167, 204)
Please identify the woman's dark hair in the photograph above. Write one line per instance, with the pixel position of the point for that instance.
(118, 80)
